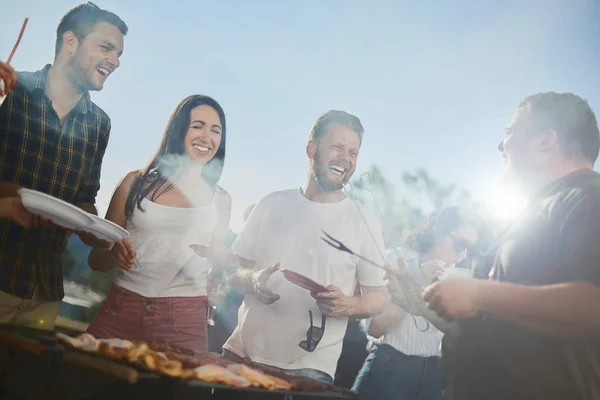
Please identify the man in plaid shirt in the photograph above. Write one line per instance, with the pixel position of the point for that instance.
(52, 139)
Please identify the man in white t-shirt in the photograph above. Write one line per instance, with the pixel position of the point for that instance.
(285, 230)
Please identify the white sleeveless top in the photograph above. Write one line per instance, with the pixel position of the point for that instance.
(161, 236)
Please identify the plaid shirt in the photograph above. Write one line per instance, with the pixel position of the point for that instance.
(39, 152)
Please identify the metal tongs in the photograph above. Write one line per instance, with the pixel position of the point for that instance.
(333, 242)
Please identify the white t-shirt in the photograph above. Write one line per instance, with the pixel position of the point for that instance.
(286, 227)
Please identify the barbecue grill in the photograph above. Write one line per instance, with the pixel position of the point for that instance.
(37, 366)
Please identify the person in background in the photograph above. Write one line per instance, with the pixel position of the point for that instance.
(281, 324)
(405, 359)
(354, 353)
(226, 302)
(53, 139)
(531, 330)
(173, 202)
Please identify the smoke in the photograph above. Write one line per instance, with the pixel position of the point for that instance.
(186, 174)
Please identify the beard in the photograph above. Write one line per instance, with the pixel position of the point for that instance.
(320, 169)
(80, 74)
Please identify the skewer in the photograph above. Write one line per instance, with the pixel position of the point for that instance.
(12, 53)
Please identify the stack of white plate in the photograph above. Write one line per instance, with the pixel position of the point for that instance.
(69, 216)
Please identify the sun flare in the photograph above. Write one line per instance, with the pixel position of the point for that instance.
(505, 203)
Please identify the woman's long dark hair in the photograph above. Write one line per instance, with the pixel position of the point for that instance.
(152, 179)
(439, 224)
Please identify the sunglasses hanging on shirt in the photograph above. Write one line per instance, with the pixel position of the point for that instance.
(313, 335)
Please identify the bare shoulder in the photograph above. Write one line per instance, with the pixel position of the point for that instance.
(119, 198)
(129, 179)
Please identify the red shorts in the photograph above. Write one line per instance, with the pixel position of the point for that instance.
(179, 321)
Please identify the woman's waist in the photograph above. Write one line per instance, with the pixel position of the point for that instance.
(165, 262)
(133, 297)
(166, 245)
(168, 265)
(150, 283)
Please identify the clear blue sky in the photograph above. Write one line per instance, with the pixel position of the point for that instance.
(434, 82)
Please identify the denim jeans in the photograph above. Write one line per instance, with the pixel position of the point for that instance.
(389, 374)
(314, 374)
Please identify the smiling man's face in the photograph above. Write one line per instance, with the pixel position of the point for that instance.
(96, 56)
(333, 158)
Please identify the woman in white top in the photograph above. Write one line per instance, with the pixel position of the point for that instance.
(404, 362)
(159, 293)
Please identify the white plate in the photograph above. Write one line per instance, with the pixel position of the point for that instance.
(107, 230)
(100, 234)
(58, 211)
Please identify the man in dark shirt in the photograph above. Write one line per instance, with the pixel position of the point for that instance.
(53, 139)
(532, 331)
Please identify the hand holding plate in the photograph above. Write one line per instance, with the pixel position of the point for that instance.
(91, 240)
(12, 208)
(334, 303)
